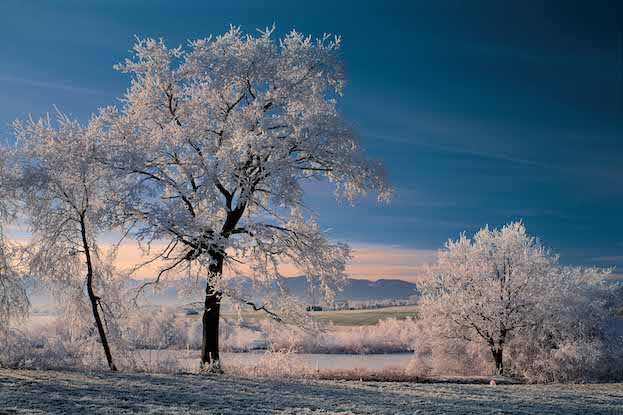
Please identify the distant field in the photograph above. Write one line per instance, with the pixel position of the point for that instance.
(350, 317)
(365, 317)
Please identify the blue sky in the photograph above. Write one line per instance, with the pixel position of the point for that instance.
(484, 112)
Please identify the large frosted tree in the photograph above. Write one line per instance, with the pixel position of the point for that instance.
(215, 142)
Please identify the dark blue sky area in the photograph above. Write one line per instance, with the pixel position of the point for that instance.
(484, 112)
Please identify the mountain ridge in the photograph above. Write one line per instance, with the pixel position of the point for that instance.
(353, 290)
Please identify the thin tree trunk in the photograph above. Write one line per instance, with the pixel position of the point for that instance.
(95, 299)
(210, 356)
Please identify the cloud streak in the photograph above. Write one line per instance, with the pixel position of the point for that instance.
(35, 83)
(464, 151)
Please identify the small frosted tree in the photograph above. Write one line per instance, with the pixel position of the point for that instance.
(486, 289)
(62, 193)
(14, 303)
(214, 143)
(503, 290)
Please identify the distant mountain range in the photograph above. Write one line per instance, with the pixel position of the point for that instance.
(354, 290)
(358, 290)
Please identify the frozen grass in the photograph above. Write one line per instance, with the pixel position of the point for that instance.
(52, 392)
(365, 317)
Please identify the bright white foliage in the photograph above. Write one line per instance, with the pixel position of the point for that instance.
(502, 290)
(215, 141)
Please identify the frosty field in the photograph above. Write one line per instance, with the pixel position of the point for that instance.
(365, 317)
(50, 392)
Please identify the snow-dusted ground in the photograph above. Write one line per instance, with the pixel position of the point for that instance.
(49, 392)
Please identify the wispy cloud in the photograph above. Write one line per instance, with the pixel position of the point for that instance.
(460, 150)
(36, 83)
(614, 258)
(452, 133)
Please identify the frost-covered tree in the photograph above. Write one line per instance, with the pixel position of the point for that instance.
(215, 142)
(504, 288)
(62, 193)
(14, 303)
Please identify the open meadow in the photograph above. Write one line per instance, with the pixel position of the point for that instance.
(365, 317)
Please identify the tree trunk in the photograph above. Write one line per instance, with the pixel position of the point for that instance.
(210, 357)
(498, 357)
(95, 299)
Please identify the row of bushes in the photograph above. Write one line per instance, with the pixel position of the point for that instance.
(57, 346)
(166, 328)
